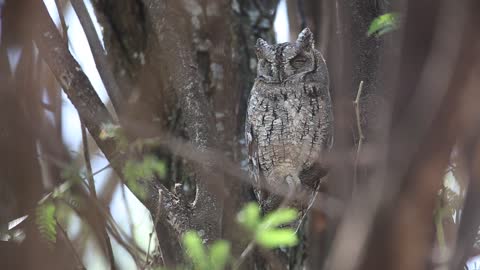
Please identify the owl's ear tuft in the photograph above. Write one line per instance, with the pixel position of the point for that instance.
(305, 38)
(261, 48)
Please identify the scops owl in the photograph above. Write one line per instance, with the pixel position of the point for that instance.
(289, 122)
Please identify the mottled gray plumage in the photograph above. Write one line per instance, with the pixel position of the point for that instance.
(289, 121)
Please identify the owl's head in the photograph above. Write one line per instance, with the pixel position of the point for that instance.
(286, 61)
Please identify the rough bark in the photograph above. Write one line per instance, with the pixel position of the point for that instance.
(201, 56)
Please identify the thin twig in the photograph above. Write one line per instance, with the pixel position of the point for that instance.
(70, 245)
(99, 55)
(88, 164)
(121, 237)
(157, 217)
(91, 186)
(62, 21)
(70, 183)
(246, 252)
(361, 137)
(129, 212)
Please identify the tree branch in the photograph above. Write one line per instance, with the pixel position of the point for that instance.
(92, 111)
(74, 82)
(69, 243)
(103, 66)
(93, 191)
(171, 27)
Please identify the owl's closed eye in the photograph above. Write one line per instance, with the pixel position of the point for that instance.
(298, 62)
(288, 61)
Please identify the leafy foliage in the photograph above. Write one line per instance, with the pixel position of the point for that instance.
(145, 169)
(383, 24)
(266, 230)
(111, 131)
(216, 258)
(45, 220)
(249, 216)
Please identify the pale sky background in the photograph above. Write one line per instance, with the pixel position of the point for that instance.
(73, 140)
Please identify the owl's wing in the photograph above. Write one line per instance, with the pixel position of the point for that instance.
(253, 161)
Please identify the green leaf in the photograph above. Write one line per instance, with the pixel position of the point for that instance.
(277, 238)
(109, 131)
(219, 254)
(71, 174)
(279, 217)
(142, 170)
(249, 216)
(112, 131)
(383, 24)
(195, 250)
(45, 220)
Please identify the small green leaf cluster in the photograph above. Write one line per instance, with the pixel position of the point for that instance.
(215, 258)
(48, 208)
(112, 131)
(265, 230)
(45, 220)
(383, 24)
(145, 169)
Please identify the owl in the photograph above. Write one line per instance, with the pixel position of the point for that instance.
(289, 123)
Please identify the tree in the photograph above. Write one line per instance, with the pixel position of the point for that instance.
(178, 76)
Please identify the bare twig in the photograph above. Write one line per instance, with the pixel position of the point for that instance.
(62, 22)
(361, 137)
(91, 186)
(121, 238)
(246, 252)
(88, 164)
(155, 223)
(70, 245)
(251, 245)
(99, 55)
(129, 211)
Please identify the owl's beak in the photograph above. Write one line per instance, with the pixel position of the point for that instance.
(276, 75)
(281, 76)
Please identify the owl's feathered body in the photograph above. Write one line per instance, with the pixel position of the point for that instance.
(289, 121)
